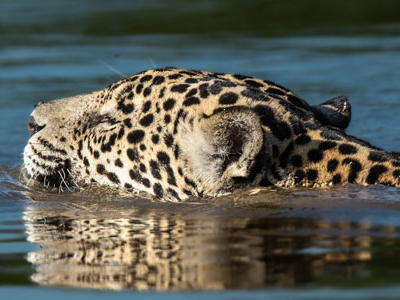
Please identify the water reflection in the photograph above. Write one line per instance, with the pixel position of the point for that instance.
(164, 246)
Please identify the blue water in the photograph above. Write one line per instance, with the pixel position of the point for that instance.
(340, 243)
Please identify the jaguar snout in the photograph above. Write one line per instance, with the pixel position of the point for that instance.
(33, 126)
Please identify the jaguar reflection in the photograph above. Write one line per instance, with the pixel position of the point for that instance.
(153, 249)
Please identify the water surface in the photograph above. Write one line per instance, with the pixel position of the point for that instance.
(340, 243)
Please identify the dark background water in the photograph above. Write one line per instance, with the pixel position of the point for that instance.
(331, 244)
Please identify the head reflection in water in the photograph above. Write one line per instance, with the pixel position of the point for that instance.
(167, 246)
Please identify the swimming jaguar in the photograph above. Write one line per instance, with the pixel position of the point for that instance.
(176, 133)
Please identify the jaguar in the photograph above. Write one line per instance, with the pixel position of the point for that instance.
(177, 133)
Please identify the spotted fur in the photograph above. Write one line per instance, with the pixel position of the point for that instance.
(175, 133)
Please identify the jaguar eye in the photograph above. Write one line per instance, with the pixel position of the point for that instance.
(102, 119)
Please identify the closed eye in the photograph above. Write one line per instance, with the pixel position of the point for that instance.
(105, 119)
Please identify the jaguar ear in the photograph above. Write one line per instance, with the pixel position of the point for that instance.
(335, 112)
(224, 146)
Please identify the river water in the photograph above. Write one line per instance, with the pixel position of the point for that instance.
(340, 243)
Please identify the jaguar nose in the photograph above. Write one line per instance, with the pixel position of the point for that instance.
(33, 126)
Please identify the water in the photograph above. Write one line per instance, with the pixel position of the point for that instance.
(340, 243)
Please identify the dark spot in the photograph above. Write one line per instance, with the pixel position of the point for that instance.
(226, 83)
(174, 194)
(180, 115)
(135, 136)
(113, 177)
(299, 176)
(337, 179)
(279, 129)
(377, 156)
(297, 160)
(396, 162)
(203, 90)
(255, 94)
(146, 182)
(135, 175)
(396, 174)
(146, 78)
(315, 155)
(171, 176)
(355, 168)
(100, 169)
(96, 154)
(326, 145)
(190, 182)
(162, 92)
(146, 120)
(155, 138)
(146, 106)
(187, 192)
(169, 140)
(303, 139)
(121, 133)
(191, 93)
(189, 72)
(163, 158)
(228, 98)
(155, 169)
(312, 174)
(127, 186)
(167, 118)
(147, 91)
(174, 76)
(158, 190)
(169, 104)
(158, 80)
(215, 88)
(128, 123)
(298, 102)
(332, 165)
(63, 139)
(142, 168)
(330, 134)
(375, 172)
(142, 147)
(126, 109)
(86, 162)
(130, 96)
(179, 88)
(191, 80)
(275, 91)
(139, 88)
(107, 146)
(176, 152)
(240, 77)
(191, 101)
(253, 83)
(119, 163)
(133, 154)
(297, 126)
(347, 149)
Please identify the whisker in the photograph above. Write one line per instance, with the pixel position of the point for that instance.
(152, 63)
(113, 69)
(63, 182)
(73, 181)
